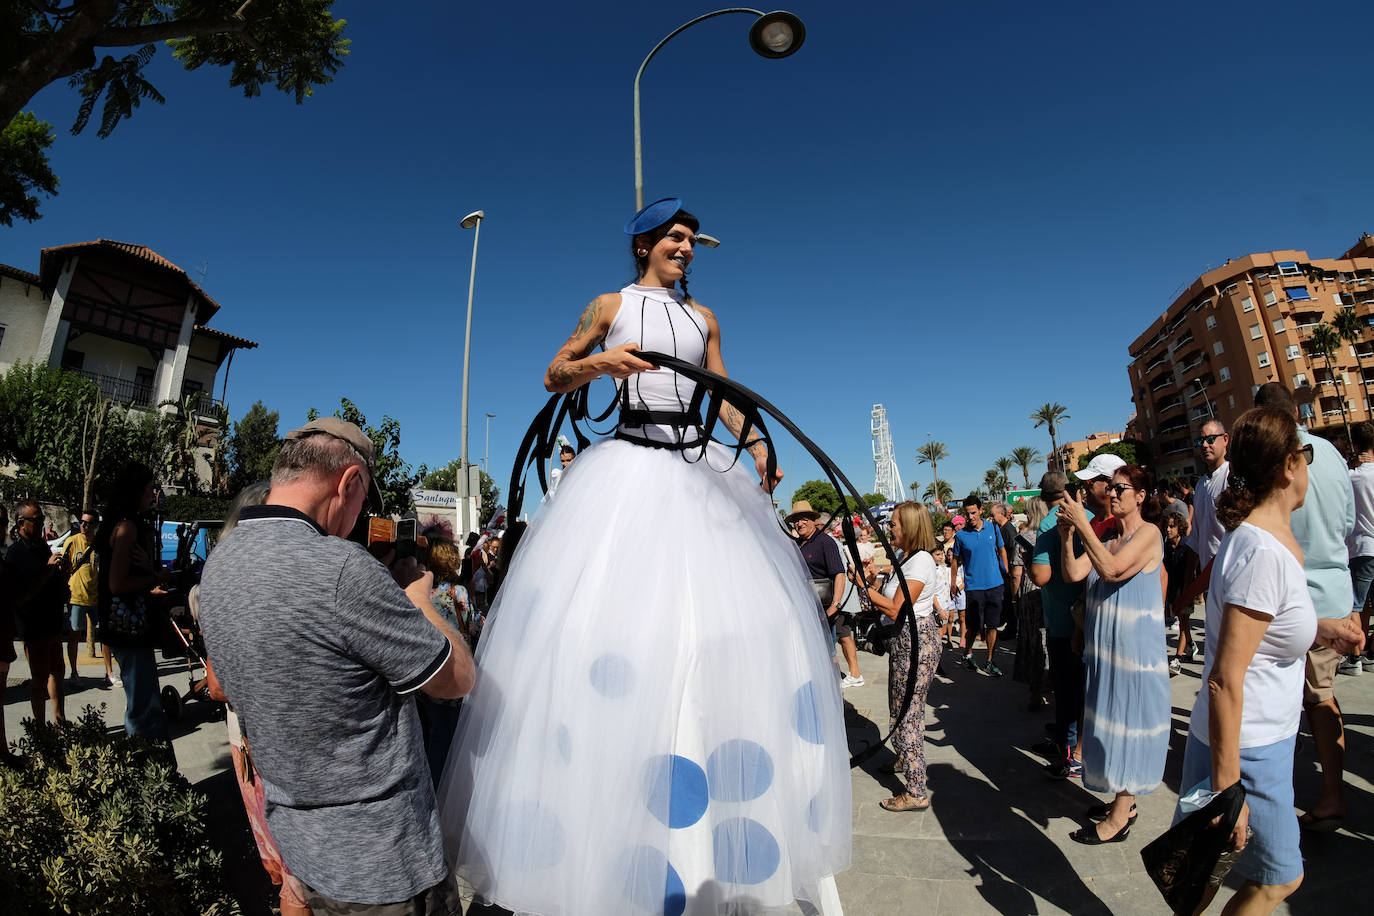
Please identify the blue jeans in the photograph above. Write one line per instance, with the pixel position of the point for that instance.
(143, 713)
(1361, 574)
(1067, 676)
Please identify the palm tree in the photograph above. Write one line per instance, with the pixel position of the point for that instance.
(914, 486)
(1025, 456)
(1004, 466)
(1051, 415)
(932, 453)
(1351, 328)
(1325, 340)
(995, 482)
(939, 492)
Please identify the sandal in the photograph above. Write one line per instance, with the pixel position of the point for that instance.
(895, 766)
(905, 803)
(1316, 824)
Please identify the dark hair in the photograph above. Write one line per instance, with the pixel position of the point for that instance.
(973, 500)
(122, 499)
(1275, 395)
(1261, 441)
(647, 240)
(567, 450)
(1362, 436)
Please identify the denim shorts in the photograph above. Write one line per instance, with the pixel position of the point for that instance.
(79, 615)
(1273, 855)
(1361, 574)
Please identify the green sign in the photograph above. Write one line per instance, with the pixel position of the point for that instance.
(1014, 495)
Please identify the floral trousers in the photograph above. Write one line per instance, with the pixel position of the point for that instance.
(909, 735)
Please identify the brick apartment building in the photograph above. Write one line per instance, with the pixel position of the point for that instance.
(1246, 323)
(1070, 452)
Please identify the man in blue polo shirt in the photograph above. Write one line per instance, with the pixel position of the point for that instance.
(980, 550)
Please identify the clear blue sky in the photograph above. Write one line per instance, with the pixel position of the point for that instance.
(961, 212)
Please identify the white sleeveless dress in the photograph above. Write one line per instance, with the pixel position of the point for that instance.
(657, 727)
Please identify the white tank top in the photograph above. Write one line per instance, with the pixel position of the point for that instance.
(659, 319)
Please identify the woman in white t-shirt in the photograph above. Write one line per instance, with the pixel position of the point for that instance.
(1260, 624)
(911, 533)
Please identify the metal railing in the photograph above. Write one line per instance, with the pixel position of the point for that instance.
(123, 391)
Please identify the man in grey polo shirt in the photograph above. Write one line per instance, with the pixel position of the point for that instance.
(320, 650)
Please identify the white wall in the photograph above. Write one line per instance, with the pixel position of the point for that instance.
(23, 308)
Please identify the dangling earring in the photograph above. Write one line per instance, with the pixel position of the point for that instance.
(642, 253)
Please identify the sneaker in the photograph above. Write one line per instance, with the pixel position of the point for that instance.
(1066, 769)
(1350, 665)
(114, 681)
(970, 664)
(1175, 666)
(852, 681)
(992, 670)
(1368, 662)
(1048, 748)
(1193, 653)
(1173, 626)
(940, 670)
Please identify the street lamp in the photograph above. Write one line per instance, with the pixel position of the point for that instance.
(776, 34)
(472, 221)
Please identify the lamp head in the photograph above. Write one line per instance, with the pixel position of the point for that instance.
(473, 218)
(777, 34)
(709, 241)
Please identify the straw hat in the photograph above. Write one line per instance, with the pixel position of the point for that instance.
(802, 509)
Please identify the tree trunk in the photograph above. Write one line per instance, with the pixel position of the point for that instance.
(68, 50)
(1340, 398)
(101, 413)
(1054, 453)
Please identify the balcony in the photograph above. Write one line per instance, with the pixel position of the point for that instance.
(123, 391)
(1163, 358)
(1174, 429)
(132, 393)
(1171, 405)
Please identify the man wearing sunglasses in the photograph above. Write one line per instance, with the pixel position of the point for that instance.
(1321, 526)
(40, 597)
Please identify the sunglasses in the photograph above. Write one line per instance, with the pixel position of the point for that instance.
(1208, 440)
(1119, 489)
(1306, 452)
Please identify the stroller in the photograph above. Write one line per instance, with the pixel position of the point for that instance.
(185, 640)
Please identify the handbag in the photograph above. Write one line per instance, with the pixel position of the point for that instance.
(1195, 852)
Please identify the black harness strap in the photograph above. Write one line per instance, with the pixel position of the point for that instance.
(542, 434)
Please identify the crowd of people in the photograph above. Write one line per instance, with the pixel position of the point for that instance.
(592, 719)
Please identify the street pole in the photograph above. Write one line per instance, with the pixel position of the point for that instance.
(776, 34)
(471, 221)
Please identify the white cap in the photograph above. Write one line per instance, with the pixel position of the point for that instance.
(1103, 465)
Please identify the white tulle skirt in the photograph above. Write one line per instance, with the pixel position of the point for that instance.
(657, 727)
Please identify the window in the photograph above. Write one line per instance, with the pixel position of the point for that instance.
(1293, 352)
(1229, 288)
(1147, 413)
(1230, 400)
(1278, 325)
(1255, 332)
(1270, 297)
(1297, 293)
(1247, 304)
(1211, 322)
(1217, 348)
(1305, 411)
(1289, 269)
(2, 334)
(1263, 358)
(1300, 380)
(1224, 374)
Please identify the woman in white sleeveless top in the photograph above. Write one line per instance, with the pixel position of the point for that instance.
(656, 726)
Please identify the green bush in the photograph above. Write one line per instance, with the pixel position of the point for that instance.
(99, 824)
(183, 508)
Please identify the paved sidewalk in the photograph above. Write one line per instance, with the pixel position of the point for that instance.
(994, 841)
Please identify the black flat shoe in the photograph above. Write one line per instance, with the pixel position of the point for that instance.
(1099, 813)
(1088, 836)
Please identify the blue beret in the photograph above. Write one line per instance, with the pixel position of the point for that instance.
(653, 216)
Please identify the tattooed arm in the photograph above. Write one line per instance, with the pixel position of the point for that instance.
(575, 363)
(729, 414)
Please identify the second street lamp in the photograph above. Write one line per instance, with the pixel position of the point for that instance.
(472, 221)
(773, 35)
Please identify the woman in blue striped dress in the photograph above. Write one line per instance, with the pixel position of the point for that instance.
(1126, 703)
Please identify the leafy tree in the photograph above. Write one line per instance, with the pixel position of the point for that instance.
(995, 482)
(1024, 457)
(1004, 466)
(292, 45)
(1325, 341)
(932, 453)
(252, 447)
(1128, 451)
(394, 476)
(446, 478)
(938, 491)
(1351, 327)
(820, 494)
(874, 499)
(1052, 415)
(24, 167)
